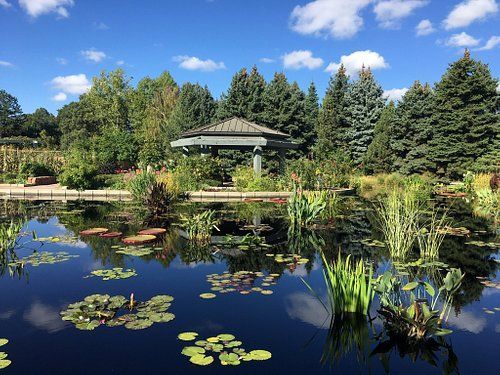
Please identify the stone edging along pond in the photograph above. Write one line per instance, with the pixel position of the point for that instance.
(124, 195)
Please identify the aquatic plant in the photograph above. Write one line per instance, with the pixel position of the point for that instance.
(242, 282)
(349, 287)
(487, 204)
(398, 216)
(135, 251)
(224, 346)
(9, 233)
(99, 309)
(158, 198)
(431, 237)
(304, 208)
(4, 362)
(116, 273)
(139, 239)
(44, 257)
(199, 227)
(139, 184)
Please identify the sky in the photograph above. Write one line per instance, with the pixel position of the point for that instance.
(51, 49)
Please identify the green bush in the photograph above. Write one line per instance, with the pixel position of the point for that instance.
(79, 170)
(110, 181)
(244, 179)
(139, 184)
(34, 169)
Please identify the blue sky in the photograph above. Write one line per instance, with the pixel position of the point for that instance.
(51, 49)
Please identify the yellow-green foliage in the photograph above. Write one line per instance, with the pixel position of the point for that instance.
(244, 179)
(481, 181)
(487, 204)
(382, 184)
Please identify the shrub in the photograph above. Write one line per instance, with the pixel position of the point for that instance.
(79, 171)
(244, 179)
(34, 169)
(139, 182)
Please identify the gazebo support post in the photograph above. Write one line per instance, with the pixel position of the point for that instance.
(214, 151)
(257, 160)
(205, 151)
(281, 159)
(185, 152)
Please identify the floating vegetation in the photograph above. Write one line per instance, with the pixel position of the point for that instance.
(44, 257)
(493, 245)
(153, 231)
(93, 231)
(488, 283)
(111, 234)
(58, 239)
(372, 243)
(207, 295)
(136, 251)
(243, 282)
(102, 309)
(4, 362)
(116, 273)
(460, 231)
(247, 242)
(139, 239)
(289, 259)
(223, 346)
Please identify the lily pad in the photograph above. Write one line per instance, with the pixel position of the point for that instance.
(3, 342)
(111, 234)
(139, 239)
(207, 295)
(4, 363)
(260, 355)
(93, 231)
(187, 336)
(225, 337)
(201, 360)
(114, 274)
(153, 231)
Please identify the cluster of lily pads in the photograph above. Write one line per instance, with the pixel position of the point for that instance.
(112, 311)
(247, 242)
(144, 236)
(493, 245)
(66, 239)
(4, 362)
(115, 273)
(289, 259)
(136, 251)
(243, 282)
(43, 257)
(402, 268)
(224, 345)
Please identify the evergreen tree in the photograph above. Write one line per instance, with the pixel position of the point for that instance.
(379, 156)
(244, 97)
(311, 108)
(410, 139)
(11, 115)
(364, 103)
(465, 120)
(332, 123)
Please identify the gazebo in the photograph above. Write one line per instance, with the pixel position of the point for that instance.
(236, 134)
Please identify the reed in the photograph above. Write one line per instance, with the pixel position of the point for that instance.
(430, 237)
(349, 288)
(399, 215)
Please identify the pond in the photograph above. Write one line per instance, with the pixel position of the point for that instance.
(260, 299)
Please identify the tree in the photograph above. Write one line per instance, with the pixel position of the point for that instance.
(244, 97)
(41, 123)
(410, 138)
(364, 104)
(11, 115)
(75, 123)
(465, 120)
(379, 156)
(332, 123)
(311, 108)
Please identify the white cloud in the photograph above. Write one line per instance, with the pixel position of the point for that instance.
(73, 84)
(101, 26)
(467, 321)
(301, 59)
(389, 13)
(267, 60)
(62, 61)
(5, 4)
(6, 64)
(395, 94)
(355, 61)
(337, 18)
(490, 44)
(60, 97)
(462, 40)
(469, 11)
(93, 55)
(424, 27)
(44, 317)
(308, 309)
(120, 63)
(37, 8)
(194, 63)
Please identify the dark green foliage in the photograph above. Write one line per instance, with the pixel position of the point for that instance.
(115, 148)
(379, 157)
(365, 102)
(140, 183)
(332, 125)
(79, 170)
(42, 124)
(410, 137)
(34, 169)
(465, 121)
(11, 115)
(311, 118)
(75, 123)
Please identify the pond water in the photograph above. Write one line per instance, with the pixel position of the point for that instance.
(290, 323)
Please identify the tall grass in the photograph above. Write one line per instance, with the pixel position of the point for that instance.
(398, 215)
(430, 238)
(349, 288)
(304, 208)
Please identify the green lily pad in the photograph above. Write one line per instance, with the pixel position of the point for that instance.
(187, 336)
(213, 339)
(4, 363)
(260, 355)
(225, 337)
(190, 351)
(207, 295)
(201, 360)
(114, 274)
(3, 342)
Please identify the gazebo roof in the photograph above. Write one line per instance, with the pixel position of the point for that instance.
(235, 127)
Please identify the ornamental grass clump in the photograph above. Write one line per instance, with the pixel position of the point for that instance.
(430, 238)
(305, 207)
(399, 215)
(349, 287)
